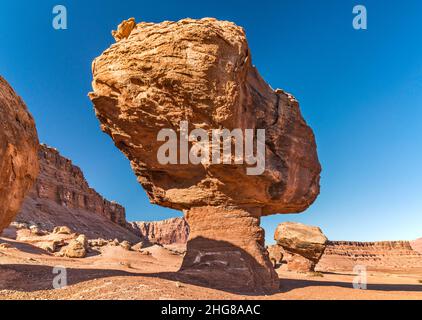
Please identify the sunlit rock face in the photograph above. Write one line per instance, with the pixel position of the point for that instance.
(18, 153)
(61, 196)
(201, 72)
(302, 246)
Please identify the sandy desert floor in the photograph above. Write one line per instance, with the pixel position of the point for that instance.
(26, 272)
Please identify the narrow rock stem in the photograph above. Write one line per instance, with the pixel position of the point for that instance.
(226, 250)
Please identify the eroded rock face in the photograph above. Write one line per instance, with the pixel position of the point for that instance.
(62, 197)
(201, 71)
(18, 153)
(170, 231)
(301, 245)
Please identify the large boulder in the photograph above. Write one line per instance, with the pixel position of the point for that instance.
(158, 76)
(18, 153)
(301, 245)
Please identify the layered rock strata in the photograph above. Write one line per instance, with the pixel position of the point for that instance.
(170, 231)
(386, 255)
(62, 197)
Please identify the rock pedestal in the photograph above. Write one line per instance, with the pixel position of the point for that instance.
(226, 250)
(200, 73)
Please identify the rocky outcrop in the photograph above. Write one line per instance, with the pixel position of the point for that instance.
(170, 231)
(276, 255)
(387, 255)
(302, 246)
(201, 72)
(417, 245)
(18, 153)
(76, 249)
(62, 197)
(124, 29)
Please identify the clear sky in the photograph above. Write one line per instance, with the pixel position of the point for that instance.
(361, 91)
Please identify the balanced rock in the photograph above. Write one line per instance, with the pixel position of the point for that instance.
(18, 153)
(302, 245)
(198, 74)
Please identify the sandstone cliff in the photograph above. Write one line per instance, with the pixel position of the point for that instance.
(344, 255)
(62, 197)
(171, 231)
(18, 153)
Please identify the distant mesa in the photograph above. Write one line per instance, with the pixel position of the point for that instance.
(200, 71)
(383, 255)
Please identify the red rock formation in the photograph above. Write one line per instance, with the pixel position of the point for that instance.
(227, 252)
(201, 71)
(345, 255)
(301, 246)
(62, 197)
(171, 231)
(18, 153)
(276, 255)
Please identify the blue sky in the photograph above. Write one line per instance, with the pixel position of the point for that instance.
(361, 91)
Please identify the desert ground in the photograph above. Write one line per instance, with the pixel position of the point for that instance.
(26, 272)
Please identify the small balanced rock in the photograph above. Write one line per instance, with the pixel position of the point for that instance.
(200, 72)
(302, 246)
